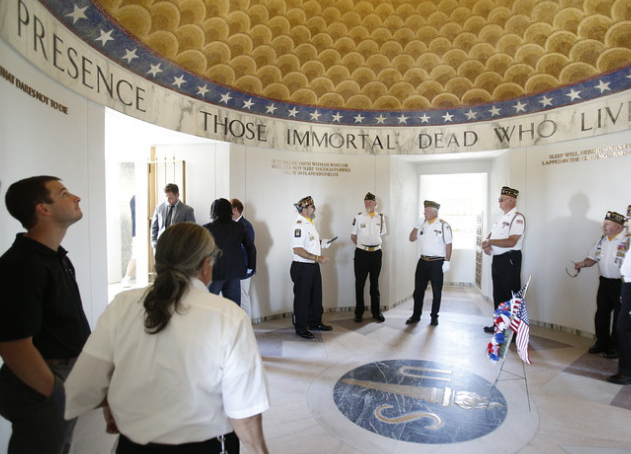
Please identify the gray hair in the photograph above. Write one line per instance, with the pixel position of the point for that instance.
(180, 254)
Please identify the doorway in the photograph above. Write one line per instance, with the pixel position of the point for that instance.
(462, 199)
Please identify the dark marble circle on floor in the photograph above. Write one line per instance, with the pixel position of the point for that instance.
(420, 401)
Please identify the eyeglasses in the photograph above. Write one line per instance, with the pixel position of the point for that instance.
(501, 199)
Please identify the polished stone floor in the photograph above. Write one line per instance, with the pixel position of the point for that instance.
(393, 388)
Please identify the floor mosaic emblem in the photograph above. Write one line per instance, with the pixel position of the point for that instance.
(420, 401)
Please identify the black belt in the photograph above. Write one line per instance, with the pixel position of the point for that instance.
(431, 258)
(227, 443)
(611, 279)
(369, 248)
(512, 251)
(60, 361)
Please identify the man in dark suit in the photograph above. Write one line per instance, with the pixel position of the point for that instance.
(170, 212)
(237, 216)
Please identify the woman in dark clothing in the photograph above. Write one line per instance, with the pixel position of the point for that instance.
(229, 268)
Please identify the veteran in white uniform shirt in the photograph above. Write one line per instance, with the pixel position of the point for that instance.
(179, 366)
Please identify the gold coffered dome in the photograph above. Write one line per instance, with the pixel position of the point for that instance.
(385, 55)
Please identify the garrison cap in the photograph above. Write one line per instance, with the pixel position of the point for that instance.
(509, 192)
(304, 203)
(430, 204)
(615, 217)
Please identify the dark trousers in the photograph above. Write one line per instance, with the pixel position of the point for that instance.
(428, 271)
(307, 294)
(506, 274)
(623, 330)
(212, 446)
(367, 264)
(229, 289)
(607, 302)
(37, 422)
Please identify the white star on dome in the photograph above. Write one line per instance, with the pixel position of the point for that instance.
(315, 115)
(359, 118)
(602, 86)
(471, 115)
(545, 101)
(494, 111)
(337, 117)
(77, 14)
(105, 37)
(402, 119)
(178, 81)
(270, 109)
(201, 91)
(130, 55)
(520, 107)
(380, 119)
(425, 118)
(225, 98)
(573, 94)
(293, 112)
(447, 117)
(248, 104)
(155, 69)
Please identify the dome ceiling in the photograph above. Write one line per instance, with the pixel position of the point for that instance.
(385, 56)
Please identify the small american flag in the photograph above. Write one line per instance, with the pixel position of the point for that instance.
(520, 325)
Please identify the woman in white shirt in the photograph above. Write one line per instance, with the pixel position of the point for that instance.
(178, 366)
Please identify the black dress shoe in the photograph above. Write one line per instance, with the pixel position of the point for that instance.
(358, 318)
(434, 322)
(411, 320)
(305, 334)
(379, 317)
(611, 354)
(320, 327)
(489, 329)
(619, 379)
(596, 349)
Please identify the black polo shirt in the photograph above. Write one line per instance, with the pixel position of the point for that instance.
(39, 298)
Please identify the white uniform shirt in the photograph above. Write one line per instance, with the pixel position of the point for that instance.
(433, 237)
(609, 254)
(305, 236)
(511, 223)
(625, 269)
(179, 385)
(369, 229)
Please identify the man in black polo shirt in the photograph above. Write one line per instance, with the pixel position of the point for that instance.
(42, 323)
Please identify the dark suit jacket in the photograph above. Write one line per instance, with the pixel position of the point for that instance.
(249, 231)
(181, 213)
(229, 237)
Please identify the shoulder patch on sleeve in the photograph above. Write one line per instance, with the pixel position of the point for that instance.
(354, 221)
(297, 233)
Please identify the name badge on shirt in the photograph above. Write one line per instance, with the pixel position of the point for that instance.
(362, 226)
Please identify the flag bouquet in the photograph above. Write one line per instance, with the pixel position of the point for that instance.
(498, 346)
(511, 317)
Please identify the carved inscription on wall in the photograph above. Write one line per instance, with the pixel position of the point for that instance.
(310, 168)
(615, 151)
